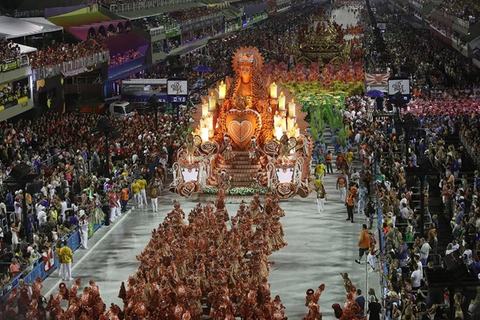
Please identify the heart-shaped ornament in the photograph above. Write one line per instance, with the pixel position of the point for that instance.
(240, 131)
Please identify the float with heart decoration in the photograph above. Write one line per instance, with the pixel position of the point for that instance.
(249, 136)
(242, 125)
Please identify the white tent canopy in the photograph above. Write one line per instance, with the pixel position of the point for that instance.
(15, 28)
(26, 49)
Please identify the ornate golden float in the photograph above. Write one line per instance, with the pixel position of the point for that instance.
(250, 133)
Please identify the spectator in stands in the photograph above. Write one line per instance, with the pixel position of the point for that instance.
(121, 58)
(8, 50)
(64, 52)
(14, 268)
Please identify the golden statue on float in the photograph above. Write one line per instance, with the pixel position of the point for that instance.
(249, 132)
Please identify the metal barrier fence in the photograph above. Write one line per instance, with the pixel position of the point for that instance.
(37, 269)
(158, 31)
(125, 7)
(204, 18)
(73, 67)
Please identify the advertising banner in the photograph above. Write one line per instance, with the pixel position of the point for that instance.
(10, 64)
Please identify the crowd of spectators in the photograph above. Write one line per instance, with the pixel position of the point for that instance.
(468, 10)
(67, 156)
(160, 3)
(429, 63)
(63, 52)
(411, 256)
(470, 133)
(11, 93)
(8, 50)
(123, 57)
(273, 37)
(194, 13)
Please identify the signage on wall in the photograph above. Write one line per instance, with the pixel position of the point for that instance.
(401, 86)
(177, 90)
(177, 87)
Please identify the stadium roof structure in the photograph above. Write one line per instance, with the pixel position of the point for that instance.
(15, 28)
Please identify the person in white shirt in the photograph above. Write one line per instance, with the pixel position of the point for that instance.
(416, 277)
(416, 260)
(3, 209)
(424, 251)
(450, 248)
(468, 258)
(83, 226)
(362, 193)
(455, 246)
(404, 212)
(41, 215)
(1, 236)
(51, 191)
(404, 200)
(355, 177)
(358, 137)
(18, 208)
(37, 206)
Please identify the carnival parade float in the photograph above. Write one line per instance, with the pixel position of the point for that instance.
(250, 134)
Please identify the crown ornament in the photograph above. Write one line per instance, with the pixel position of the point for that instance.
(247, 56)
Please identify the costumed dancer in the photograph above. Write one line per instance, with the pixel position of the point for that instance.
(252, 151)
(227, 153)
(342, 188)
(83, 226)
(321, 194)
(153, 190)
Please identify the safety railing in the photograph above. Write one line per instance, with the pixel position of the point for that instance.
(143, 5)
(71, 68)
(158, 31)
(204, 18)
(29, 14)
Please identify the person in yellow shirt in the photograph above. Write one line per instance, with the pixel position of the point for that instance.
(142, 184)
(136, 192)
(65, 258)
(320, 170)
(349, 157)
